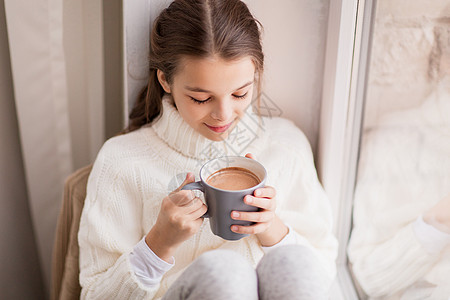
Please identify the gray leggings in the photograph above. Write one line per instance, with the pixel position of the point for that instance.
(287, 272)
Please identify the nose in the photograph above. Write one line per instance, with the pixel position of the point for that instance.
(223, 110)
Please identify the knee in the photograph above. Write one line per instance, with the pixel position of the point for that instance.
(291, 257)
(292, 272)
(226, 275)
(221, 258)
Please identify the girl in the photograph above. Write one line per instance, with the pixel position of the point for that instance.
(137, 242)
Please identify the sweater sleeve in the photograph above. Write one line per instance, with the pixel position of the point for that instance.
(301, 201)
(431, 238)
(391, 266)
(110, 227)
(147, 266)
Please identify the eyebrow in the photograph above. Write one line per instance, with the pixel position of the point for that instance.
(196, 89)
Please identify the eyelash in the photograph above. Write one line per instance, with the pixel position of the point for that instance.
(207, 100)
(240, 96)
(200, 101)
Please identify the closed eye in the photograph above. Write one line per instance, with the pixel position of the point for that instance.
(200, 101)
(241, 96)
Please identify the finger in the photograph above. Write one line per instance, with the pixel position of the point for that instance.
(258, 217)
(193, 205)
(199, 212)
(249, 155)
(190, 177)
(265, 192)
(182, 198)
(252, 229)
(264, 203)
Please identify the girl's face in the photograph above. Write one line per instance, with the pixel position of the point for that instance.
(212, 94)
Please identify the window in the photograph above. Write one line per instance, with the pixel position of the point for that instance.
(384, 150)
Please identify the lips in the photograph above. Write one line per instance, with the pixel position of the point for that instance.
(219, 128)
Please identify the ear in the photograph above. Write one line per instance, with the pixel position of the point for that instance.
(162, 80)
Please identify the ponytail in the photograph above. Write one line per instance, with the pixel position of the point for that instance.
(148, 104)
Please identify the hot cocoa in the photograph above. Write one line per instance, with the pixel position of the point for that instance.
(233, 179)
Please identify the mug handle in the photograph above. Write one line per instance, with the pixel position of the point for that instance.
(196, 186)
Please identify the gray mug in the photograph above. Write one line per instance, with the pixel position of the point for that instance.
(222, 202)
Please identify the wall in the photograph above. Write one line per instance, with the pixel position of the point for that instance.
(20, 276)
(294, 46)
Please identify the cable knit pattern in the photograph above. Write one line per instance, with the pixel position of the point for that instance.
(135, 171)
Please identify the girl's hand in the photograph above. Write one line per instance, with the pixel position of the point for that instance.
(439, 215)
(269, 229)
(179, 218)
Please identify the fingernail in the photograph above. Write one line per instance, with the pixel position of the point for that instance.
(257, 193)
(235, 214)
(248, 199)
(234, 228)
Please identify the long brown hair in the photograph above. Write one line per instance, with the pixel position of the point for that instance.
(196, 28)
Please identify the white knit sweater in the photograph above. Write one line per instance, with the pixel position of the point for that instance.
(135, 171)
(404, 171)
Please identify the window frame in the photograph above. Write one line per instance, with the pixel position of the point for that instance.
(349, 37)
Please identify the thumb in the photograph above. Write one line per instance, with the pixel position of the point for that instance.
(190, 177)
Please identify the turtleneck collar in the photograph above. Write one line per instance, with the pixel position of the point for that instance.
(179, 135)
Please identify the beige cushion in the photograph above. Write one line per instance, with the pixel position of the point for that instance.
(65, 268)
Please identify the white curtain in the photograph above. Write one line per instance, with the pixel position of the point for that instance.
(57, 69)
(39, 76)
